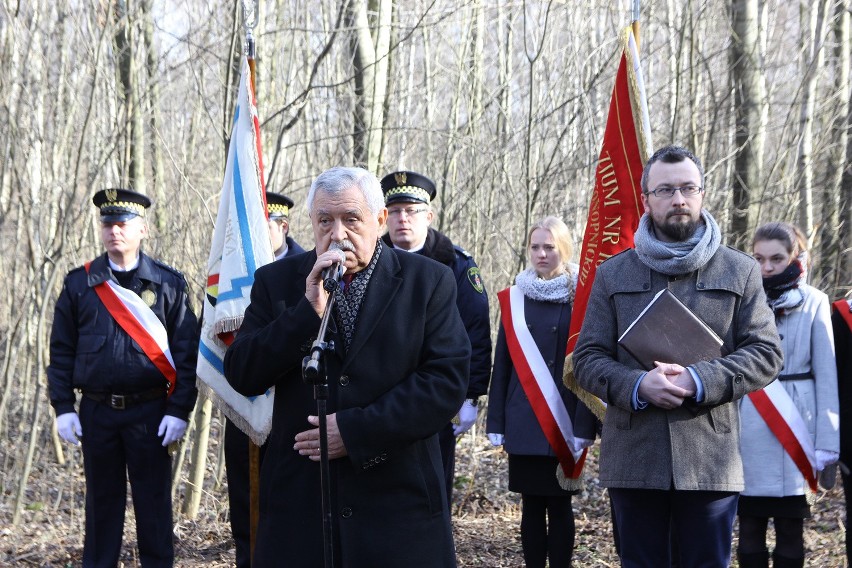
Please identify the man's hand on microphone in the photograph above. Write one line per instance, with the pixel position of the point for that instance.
(314, 291)
(308, 444)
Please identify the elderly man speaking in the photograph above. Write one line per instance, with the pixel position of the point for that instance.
(398, 373)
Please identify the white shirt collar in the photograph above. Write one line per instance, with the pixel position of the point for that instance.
(283, 252)
(117, 268)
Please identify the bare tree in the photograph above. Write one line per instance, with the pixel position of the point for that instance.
(747, 83)
(134, 143)
(370, 20)
(832, 230)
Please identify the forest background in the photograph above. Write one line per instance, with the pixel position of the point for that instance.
(502, 103)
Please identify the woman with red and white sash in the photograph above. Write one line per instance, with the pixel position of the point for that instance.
(529, 409)
(789, 430)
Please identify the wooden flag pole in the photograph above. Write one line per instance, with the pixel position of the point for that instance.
(253, 449)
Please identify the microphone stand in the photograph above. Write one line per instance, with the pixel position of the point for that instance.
(314, 372)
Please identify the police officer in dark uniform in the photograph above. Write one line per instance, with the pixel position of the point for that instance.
(237, 462)
(125, 336)
(279, 207)
(408, 196)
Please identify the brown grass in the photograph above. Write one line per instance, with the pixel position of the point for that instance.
(486, 520)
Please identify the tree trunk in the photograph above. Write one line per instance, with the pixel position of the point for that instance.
(152, 108)
(370, 45)
(843, 278)
(813, 31)
(828, 275)
(749, 91)
(195, 486)
(134, 151)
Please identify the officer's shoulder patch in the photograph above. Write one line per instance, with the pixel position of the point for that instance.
(462, 252)
(475, 278)
(171, 269)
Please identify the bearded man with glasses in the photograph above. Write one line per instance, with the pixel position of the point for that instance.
(408, 197)
(670, 439)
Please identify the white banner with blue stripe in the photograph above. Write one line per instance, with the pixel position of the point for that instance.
(240, 245)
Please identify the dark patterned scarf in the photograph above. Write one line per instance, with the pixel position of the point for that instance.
(348, 303)
(782, 290)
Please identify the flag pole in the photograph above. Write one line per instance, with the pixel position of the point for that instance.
(616, 198)
(253, 449)
(635, 23)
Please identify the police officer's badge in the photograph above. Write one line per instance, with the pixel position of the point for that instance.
(149, 297)
(475, 278)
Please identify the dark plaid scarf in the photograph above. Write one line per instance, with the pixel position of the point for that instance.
(348, 303)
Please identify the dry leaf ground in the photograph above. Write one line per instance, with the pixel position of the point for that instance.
(486, 520)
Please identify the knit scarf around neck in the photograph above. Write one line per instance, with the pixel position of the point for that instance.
(559, 290)
(680, 257)
(782, 290)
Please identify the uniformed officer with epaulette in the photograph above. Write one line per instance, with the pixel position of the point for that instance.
(237, 464)
(125, 336)
(408, 197)
(279, 207)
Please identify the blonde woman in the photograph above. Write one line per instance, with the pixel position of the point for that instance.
(542, 298)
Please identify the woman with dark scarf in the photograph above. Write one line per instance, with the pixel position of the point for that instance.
(775, 486)
(536, 315)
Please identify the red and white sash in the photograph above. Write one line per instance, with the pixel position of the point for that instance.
(781, 415)
(843, 308)
(539, 386)
(141, 324)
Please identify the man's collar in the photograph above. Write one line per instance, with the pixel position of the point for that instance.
(116, 268)
(413, 249)
(283, 252)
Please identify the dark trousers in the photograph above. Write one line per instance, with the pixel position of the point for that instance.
(700, 523)
(237, 470)
(117, 445)
(447, 442)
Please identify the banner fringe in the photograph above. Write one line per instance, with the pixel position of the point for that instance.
(231, 414)
(570, 483)
(227, 325)
(591, 401)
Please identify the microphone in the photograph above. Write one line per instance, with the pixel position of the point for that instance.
(331, 275)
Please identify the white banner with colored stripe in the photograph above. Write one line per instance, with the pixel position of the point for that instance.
(241, 244)
(539, 386)
(782, 417)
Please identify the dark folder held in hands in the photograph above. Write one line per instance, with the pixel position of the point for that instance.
(667, 331)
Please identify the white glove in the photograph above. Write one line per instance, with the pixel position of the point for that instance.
(496, 439)
(68, 426)
(172, 427)
(467, 416)
(825, 458)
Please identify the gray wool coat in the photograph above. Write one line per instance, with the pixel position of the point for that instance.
(696, 446)
(808, 344)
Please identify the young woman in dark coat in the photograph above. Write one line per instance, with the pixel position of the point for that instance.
(547, 520)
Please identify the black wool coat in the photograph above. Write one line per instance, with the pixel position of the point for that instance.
(509, 409)
(402, 380)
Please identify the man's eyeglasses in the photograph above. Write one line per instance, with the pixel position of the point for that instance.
(409, 211)
(666, 191)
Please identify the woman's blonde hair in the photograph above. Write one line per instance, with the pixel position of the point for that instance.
(561, 236)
